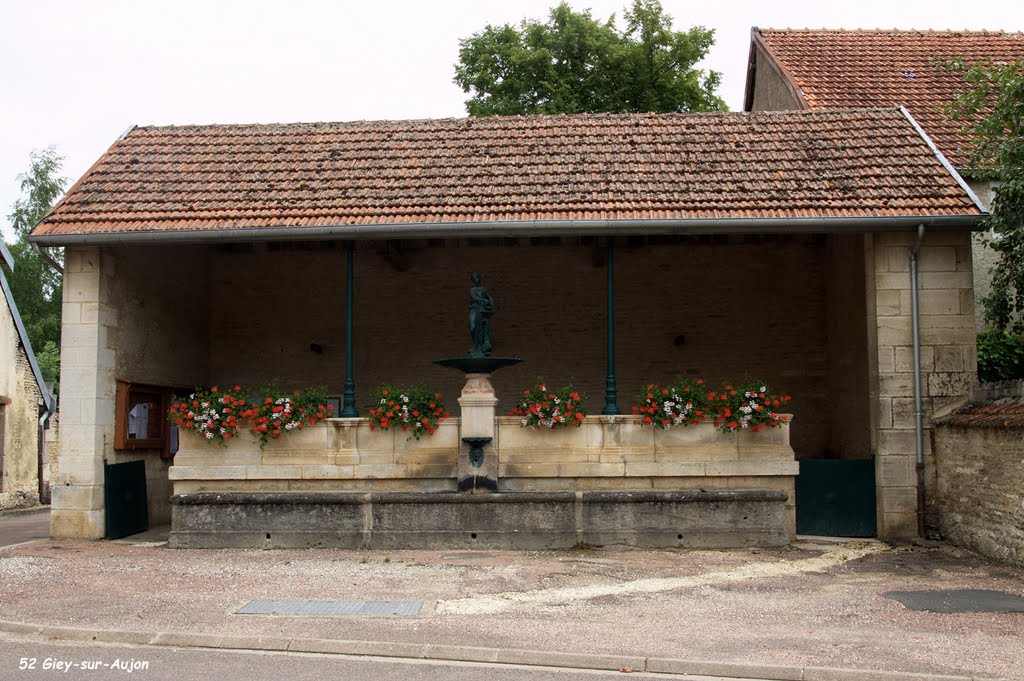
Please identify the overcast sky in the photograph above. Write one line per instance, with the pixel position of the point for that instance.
(78, 74)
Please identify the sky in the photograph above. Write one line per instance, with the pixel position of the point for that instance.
(76, 75)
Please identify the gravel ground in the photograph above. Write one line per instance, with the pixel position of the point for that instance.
(814, 603)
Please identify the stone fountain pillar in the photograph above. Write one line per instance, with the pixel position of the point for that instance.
(478, 460)
(478, 457)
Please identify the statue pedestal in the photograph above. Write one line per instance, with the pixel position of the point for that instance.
(478, 403)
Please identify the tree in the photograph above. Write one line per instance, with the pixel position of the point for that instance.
(35, 285)
(993, 109)
(574, 64)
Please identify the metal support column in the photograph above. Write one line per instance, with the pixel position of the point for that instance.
(611, 390)
(348, 409)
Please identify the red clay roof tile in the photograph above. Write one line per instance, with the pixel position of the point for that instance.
(848, 69)
(481, 170)
(1002, 413)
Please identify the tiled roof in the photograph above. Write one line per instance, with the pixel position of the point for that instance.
(851, 69)
(1003, 413)
(537, 168)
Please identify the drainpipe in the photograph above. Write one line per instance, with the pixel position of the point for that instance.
(54, 265)
(918, 412)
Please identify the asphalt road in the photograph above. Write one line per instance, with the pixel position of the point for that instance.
(22, 526)
(26, 660)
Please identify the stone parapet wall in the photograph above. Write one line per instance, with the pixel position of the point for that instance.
(340, 450)
(605, 453)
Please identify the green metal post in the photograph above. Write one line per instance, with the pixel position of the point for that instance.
(611, 390)
(348, 409)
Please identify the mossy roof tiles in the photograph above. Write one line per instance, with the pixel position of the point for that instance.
(608, 167)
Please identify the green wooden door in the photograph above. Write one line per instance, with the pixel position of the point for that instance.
(836, 498)
(124, 494)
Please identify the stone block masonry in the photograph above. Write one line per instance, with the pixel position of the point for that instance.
(948, 360)
(509, 520)
(136, 314)
(980, 489)
(979, 455)
(640, 486)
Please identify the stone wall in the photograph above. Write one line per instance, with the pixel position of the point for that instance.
(135, 314)
(948, 358)
(19, 419)
(980, 488)
(605, 453)
(648, 478)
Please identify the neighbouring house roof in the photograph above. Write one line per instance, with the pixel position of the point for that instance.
(6, 260)
(840, 69)
(574, 173)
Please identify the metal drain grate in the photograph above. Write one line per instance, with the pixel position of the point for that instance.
(333, 608)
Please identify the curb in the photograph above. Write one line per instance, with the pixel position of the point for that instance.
(451, 653)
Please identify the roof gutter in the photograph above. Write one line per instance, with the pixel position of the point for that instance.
(5, 256)
(517, 228)
(49, 401)
(45, 257)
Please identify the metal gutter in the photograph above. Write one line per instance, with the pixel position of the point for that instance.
(45, 257)
(48, 400)
(944, 161)
(518, 228)
(5, 256)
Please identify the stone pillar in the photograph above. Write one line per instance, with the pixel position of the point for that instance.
(87, 391)
(478, 403)
(948, 359)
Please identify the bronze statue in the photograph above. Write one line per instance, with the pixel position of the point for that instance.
(481, 309)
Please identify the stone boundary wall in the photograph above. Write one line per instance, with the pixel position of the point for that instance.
(979, 452)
